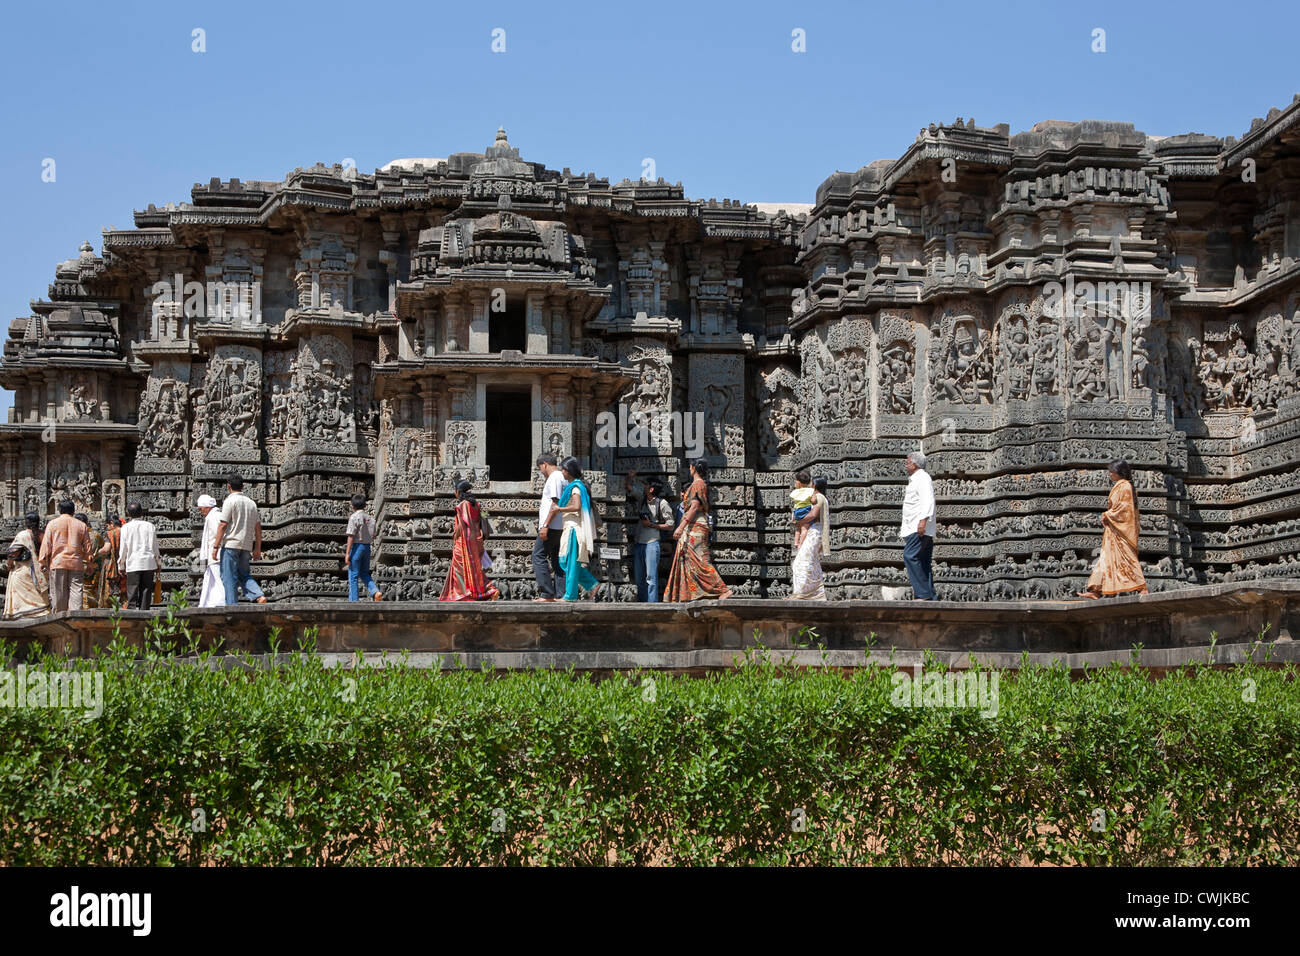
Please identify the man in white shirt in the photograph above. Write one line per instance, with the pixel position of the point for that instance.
(239, 541)
(546, 549)
(213, 590)
(917, 528)
(140, 558)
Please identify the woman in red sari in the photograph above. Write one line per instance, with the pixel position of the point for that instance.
(465, 578)
(693, 575)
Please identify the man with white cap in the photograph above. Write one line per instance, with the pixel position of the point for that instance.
(213, 592)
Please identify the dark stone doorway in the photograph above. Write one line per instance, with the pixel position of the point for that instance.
(508, 329)
(509, 434)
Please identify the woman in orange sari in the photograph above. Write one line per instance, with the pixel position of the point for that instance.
(1118, 570)
(465, 578)
(693, 575)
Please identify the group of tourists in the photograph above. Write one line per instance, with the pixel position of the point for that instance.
(566, 522)
(567, 526)
(68, 565)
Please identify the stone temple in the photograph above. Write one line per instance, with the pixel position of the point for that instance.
(1024, 308)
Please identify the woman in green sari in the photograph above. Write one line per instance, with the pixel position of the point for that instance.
(578, 541)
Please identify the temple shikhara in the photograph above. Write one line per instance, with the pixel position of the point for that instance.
(1023, 308)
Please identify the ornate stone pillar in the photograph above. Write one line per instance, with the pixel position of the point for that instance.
(454, 338)
(479, 321)
(559, 325)
(430, 345)
(535, 315)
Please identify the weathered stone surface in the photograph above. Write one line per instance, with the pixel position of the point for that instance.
(1172, 629)
(1023, 307)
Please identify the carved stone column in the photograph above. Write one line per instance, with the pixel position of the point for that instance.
(535, 316)
(479, 321)
(559, 325)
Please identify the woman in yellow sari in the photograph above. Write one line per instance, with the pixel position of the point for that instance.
(1118, 570)
(27, 593)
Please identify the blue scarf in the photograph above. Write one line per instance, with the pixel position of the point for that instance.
(583, 498)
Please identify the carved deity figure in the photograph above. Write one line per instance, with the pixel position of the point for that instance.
(1018, 365)
(832, 404)
(1141, 359)
(1088, 382)
(856, 396)
(782, 434)
(1045, 357)
(1267, 388)
(964, 375)
(717, 401)
(460, 448)
(1240, 367)
(163, 428)
(898, 379)
(1185, 391)
(651, 393)
(279, 411)
(1213, 372)
(199, 422)
(81, 405)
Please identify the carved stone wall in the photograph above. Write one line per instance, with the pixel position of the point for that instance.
(1079, 292)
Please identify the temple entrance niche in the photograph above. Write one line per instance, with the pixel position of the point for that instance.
(508, 324)
(509, 431)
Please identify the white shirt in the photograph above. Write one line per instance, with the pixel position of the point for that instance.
(139, 546)
(918, 503)
(552, 489)
(210, 536)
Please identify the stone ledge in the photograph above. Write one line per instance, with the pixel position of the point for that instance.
(1171, 627)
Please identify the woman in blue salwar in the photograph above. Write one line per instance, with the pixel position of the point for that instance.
(578, 537)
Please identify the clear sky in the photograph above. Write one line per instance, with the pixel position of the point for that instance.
(712, 92)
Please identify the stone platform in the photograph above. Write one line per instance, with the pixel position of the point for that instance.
(1172, 628)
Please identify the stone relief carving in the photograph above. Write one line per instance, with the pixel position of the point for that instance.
(896, 378)
(75, 475)
(462, 444)
(962, 364)
(653, 389)
(1096, 358)
(778, 416)
(163, 424)
(1011, 350)
(81, 405)
(233, 385)
(325, 390)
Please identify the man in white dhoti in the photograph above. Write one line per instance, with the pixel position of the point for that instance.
(213, 592)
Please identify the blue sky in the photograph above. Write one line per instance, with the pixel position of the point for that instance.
(712, 92)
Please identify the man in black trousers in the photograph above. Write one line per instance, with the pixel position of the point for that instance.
(546, 549)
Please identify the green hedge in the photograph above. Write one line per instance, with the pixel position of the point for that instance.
(304, 764)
